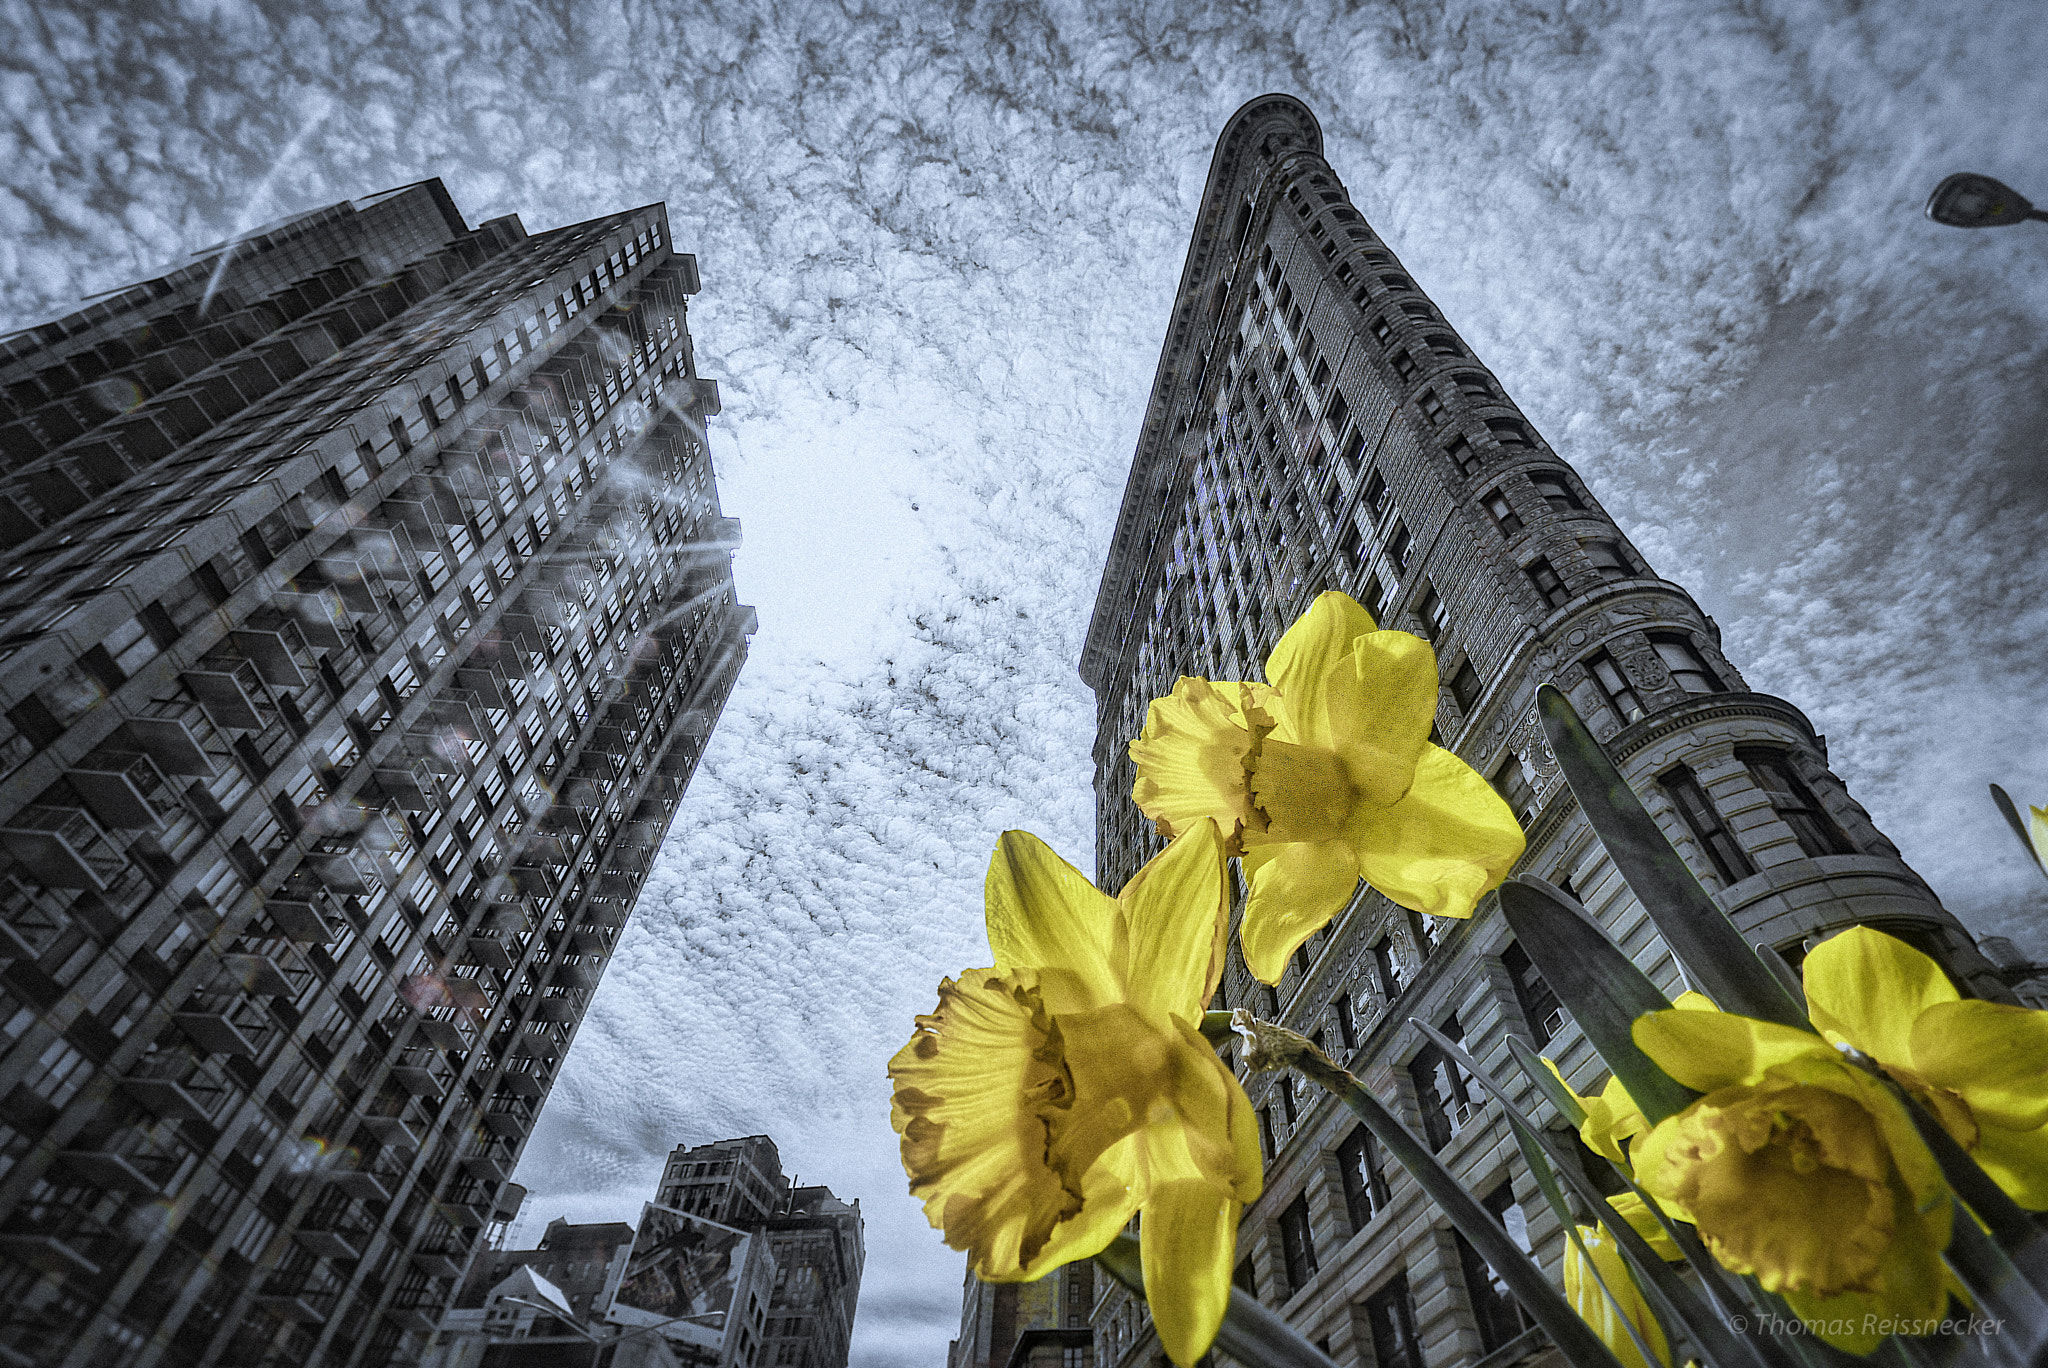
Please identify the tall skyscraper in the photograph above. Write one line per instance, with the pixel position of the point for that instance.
(1316, 424)
(365, 607)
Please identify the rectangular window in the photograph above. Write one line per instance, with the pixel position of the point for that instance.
(1500, 1316)
(1347, 1021)
(1432, 405)
(1288, 1107)
(1511, 781)
(1405, 365)
(1433, 616)
(1441, 1088)
(1459, 449)
(1376, 493)
(1373, 597)
(1509, 433)
(1683, 660)
(1549, 587)
(1703, 820)
(1397, 546)
(1609, 559)
(1621, 695)
(1540, 1007)
(1503, 513)
(1245, 1277)
(1465, 687)
(1556, 491)
(1266, 1133)
(1297, 1243)
(1392, 967)
(1390, 1316)
(1794, 803)
(1365, 1187)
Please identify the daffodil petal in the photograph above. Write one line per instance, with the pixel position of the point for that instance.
(1108, 1201)
(1691, 1001)
(1188, 1241)
(1611, 1118)
(1582, 1289)
(1709, 1050)
(1318, 645)
(1912, 1284)
(1994, 1054)
(1194, 753)
(1869, 988)
(1218, 1129)
(1644, 1222)
(2016, 1160)
(2037, 835)
(977, 1089)
(1295, 890)
(1380, 705)
(1043, 913)
(1443, 845)
(1173, 926)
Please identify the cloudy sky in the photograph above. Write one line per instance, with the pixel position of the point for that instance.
(939, 246)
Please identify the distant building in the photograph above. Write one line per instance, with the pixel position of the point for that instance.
(1043, 1324)
(365, 605)
(1315, 423)
(816, 1241)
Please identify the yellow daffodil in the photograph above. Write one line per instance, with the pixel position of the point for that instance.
(1323, 776)
(1612, 1117)
(1052, 1097)
(1976, 1066)
(2037, 835)
(1582, 1290)
(1800, 1168)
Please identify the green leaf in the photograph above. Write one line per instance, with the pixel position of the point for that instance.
(2019, 827)
(1674, 1304)
(1251, 1334)
(1713, 952)
(1599, 985)
(1573, 1337)
(1554, 1091)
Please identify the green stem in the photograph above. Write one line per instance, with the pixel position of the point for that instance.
(1251, 1334)
(1275, 1047)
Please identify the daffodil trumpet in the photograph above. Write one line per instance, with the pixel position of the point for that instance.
(1323, 775)
(1066, 1089)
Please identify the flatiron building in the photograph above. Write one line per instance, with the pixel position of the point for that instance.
(1316, 423)
(364, 609)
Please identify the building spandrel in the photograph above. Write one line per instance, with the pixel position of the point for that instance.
(1316, 423)
(365, 605)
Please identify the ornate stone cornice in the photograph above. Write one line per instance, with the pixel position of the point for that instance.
(1260, 133)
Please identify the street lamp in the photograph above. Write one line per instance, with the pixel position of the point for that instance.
(1968, 200)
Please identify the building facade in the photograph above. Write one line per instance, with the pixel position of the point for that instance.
(1043, 1324)
(1316, 424)
(816, 1243)
(365, 606)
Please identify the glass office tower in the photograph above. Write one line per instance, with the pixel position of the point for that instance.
(365, 605)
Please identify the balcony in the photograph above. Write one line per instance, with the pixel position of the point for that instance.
(217, 1032)
(172, 1084)
(50, 1253)
(272, 656)
(63, 847)
(418, 1080)
(393, 1132)
(111, 1172)
(261, 972)
(127, 793)
(487, 682)
(229, 696)
(581, 976)
(170, 744)
(488, 952)
(440, 1262)
(507, 1117)
(304, 920)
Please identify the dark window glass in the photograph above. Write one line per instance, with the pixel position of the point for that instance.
(1504, 516)
(1397, 546)
(1609, 559)
(1442, 345)
(1405, 365)
(1391, 1317)
(1431, 615)
(1432, 405)
(1373, 597)
(1473, 384)
(1382, 330)
(1540, 1007)
(1548, 585)
(1441, 1088)
(1245, 1277)
(1365, 1187)
(1683, 660)
(1511, 782)
(1557, 491)
(1347, 1021)
(1297, 1243)
(1621, 695)
(1461, 454)
(1794, 802)
(1287, 1105)
(1704, 821)
(1338, 413)
(1376, 492)
(1465, 687)
(1266, 1132)
(1500, 1316)
(1509, 433)
(1387, 958)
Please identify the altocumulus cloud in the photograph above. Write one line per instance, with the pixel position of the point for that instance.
(939, 245)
